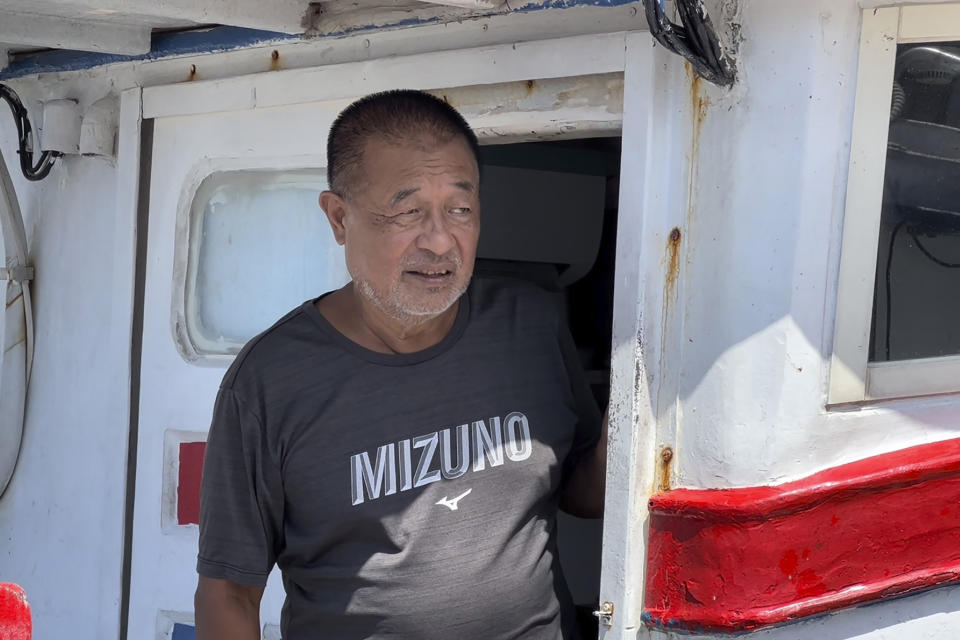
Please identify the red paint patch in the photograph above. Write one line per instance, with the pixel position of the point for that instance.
(810, 585)
(788, 563)
(188, 482)
(718, 559)
(15, 620)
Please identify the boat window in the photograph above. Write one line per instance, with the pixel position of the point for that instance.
(900, 337)
(916, 312)
(259, 246)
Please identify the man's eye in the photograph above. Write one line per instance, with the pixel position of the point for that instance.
(407, 215)
(461, 211)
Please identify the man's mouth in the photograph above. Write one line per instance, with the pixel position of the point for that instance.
(433, 275)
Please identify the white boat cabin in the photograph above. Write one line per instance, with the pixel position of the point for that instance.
(750, 209)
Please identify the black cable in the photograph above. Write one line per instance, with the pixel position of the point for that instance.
(45, 163)
(893, 241)
(700, 35)
(926, 252)
(694, 39)
(889, 271)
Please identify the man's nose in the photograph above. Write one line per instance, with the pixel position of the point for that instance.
(436, 236)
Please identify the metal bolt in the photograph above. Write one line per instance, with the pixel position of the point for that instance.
(605, 613)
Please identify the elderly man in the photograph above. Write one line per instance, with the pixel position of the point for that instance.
(399, 447)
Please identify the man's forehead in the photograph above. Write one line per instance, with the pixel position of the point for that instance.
(409, 159)
(402, 194)
(423, 143)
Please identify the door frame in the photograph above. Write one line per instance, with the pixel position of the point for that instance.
(644, 229)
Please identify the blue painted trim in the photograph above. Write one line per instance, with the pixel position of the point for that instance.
(217, 39)
(164, 45)
(183, 632)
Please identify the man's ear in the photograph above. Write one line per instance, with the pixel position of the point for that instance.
(336, 210)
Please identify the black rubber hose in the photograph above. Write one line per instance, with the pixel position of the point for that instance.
(45, 162)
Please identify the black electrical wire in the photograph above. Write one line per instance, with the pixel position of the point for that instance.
(31, 171)
(926, 252)
(933, 258)
(694, 39)
(889, 314)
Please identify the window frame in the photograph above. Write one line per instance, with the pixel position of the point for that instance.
(853, 378)
(185, 243)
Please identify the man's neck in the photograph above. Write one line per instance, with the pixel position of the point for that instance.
(356, 317)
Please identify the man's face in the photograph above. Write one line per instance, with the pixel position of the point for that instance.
(410, 225)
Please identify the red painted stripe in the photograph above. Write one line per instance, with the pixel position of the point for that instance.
(188, 482)
(738, 559)
(15, 620)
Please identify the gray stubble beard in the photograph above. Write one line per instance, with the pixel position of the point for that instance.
(393, 306)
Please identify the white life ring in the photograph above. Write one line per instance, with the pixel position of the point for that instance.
(16, 328)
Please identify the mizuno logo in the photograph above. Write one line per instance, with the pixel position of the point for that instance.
(453, 505)
(445, 454)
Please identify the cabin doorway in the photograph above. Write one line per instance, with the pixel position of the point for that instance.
(211, 259)
(561, 198)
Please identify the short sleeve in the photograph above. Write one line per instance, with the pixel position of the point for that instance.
(241, 498)
(589, 419)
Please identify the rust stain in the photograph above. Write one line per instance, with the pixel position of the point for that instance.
(193, 73)
(275, 61)
(664, 465)
(699, 104)
(531, 85)
(673, 263)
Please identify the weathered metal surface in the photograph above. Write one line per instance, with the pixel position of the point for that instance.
(321, 21)
(554, 108)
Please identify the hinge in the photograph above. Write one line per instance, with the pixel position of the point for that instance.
(605, 613)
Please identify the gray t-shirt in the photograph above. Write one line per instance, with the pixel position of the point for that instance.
(402, 496)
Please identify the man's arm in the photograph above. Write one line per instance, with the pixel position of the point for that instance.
(584, 491)
(225, 610)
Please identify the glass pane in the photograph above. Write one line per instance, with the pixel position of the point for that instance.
(916, 311)
(260, 245)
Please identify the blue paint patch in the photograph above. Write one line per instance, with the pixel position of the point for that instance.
(218, 39)
(183, 632)
(569, 4)
(164, 45)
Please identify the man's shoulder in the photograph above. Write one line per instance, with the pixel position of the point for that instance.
(275, 351)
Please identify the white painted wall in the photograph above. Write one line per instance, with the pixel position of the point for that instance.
(61, 518)
(762, 258)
